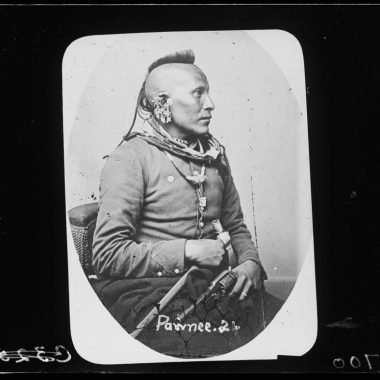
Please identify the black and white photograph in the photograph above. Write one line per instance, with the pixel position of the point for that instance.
(189, 188)
(193, 229)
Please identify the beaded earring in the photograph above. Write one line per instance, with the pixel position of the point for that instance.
(162, 111)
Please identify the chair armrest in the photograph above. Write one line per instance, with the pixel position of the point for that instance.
(83, 215)
(82, 222)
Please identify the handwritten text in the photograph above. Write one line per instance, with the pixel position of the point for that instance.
(164, 323)
(60, 355)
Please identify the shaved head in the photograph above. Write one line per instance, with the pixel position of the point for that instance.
(175, 84)
(174, 80)
(166, 78)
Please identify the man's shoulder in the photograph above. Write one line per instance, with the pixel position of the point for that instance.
(132, 155)
(133, 147)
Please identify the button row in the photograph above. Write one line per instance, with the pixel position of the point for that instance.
(159, 274)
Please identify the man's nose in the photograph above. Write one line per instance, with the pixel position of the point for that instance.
(208, 104)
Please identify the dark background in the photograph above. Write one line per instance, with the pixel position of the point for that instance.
(341, 52)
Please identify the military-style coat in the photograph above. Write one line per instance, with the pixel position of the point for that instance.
(147, 211)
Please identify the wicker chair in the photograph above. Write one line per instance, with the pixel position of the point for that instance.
(82, 222)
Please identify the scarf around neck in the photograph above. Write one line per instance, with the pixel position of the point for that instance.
(205, 149)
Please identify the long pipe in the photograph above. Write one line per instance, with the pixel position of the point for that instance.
(161, 305)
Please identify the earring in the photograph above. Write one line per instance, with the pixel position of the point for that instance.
(162, 111)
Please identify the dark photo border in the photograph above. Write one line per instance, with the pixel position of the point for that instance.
(341, 53)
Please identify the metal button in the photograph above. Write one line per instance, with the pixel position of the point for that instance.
(176, 270)
(201, 224)
(159, 274)
(170, 179)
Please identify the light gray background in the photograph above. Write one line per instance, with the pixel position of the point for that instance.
(257, 118)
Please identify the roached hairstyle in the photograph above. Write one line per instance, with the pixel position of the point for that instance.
(143, 107)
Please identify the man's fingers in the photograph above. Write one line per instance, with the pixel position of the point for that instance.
(238, 286)
(244, 292)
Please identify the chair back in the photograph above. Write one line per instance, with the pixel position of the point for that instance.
(82, 222)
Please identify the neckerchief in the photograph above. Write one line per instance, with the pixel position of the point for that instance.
(213, 150)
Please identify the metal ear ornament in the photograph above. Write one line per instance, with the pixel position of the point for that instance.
(162, 111)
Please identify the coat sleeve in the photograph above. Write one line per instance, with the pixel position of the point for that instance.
(115, 253)
(233, 221)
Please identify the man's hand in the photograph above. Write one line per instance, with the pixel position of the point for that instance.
(206, 253)
(248, 276)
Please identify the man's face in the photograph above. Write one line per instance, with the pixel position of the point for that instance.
(186, 88)
(191, 105)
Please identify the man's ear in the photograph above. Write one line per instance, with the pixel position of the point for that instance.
(163, 98)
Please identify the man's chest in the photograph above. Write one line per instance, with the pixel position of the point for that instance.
(167, 187)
